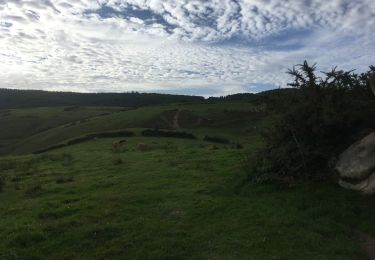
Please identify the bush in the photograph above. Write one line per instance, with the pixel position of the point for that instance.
(85, 138)
(324, 117)
(216, 139)
(173, 134)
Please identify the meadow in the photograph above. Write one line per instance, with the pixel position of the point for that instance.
(179, 199)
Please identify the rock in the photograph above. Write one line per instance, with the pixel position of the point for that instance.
(356, 165)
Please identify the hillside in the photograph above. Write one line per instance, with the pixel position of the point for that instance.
(254, 137)
(18, 124)
(162, 197)
(28, 129)
(13, 98)
(234, 120)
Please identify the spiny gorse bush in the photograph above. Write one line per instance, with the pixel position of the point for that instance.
(316, 123)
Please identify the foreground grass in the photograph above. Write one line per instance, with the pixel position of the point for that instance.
(182, 199)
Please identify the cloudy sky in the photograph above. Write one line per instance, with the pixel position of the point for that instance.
(205, 47)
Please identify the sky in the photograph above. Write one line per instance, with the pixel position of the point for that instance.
(199, 47)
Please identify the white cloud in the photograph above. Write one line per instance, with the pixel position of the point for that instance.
(225, 45)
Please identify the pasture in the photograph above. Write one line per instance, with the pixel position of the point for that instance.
(233, 120)
(179, 200)
(161, 197)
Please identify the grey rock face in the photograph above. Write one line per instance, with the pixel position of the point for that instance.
(356, 165)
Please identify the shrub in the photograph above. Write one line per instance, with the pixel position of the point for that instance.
(173, 134)
(317, 123)
(216, 139)
(85, 138)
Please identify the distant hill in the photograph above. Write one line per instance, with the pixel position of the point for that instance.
(32, 120)
(268, 96)
(11, 98)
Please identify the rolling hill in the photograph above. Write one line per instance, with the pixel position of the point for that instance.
(14, 98)
(177, 198)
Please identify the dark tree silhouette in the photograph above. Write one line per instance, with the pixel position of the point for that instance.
(11, 98)
(327, 114)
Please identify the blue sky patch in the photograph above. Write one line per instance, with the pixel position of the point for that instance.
(5, 24)
(147, 16)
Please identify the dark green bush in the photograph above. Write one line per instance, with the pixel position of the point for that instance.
(315, 124)
(173, 134)
(216, 139)
(85, 138)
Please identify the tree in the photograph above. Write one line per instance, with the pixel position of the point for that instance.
(372, 80)
(327, 114)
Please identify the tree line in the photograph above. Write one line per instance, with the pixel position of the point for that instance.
(11, 98)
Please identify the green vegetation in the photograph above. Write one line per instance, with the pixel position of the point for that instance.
(183, 200)
(13, 98)
(216, 139)
(85, 138)
(315, 125)
(176, 185)
(19, 124)
(161, 133)
(234, 120)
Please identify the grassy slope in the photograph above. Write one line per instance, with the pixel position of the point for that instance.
(223, 123)
(17, 124)
(180, 200)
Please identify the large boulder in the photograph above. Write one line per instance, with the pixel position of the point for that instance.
(356, 166)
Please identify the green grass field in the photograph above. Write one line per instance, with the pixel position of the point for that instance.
(19, 124)
(232, 120)
(181, 199)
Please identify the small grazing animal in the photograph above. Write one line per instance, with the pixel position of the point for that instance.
(143, 147)
(118, 144)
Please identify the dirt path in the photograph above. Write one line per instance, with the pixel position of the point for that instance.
(367, 245)
(175, 120)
